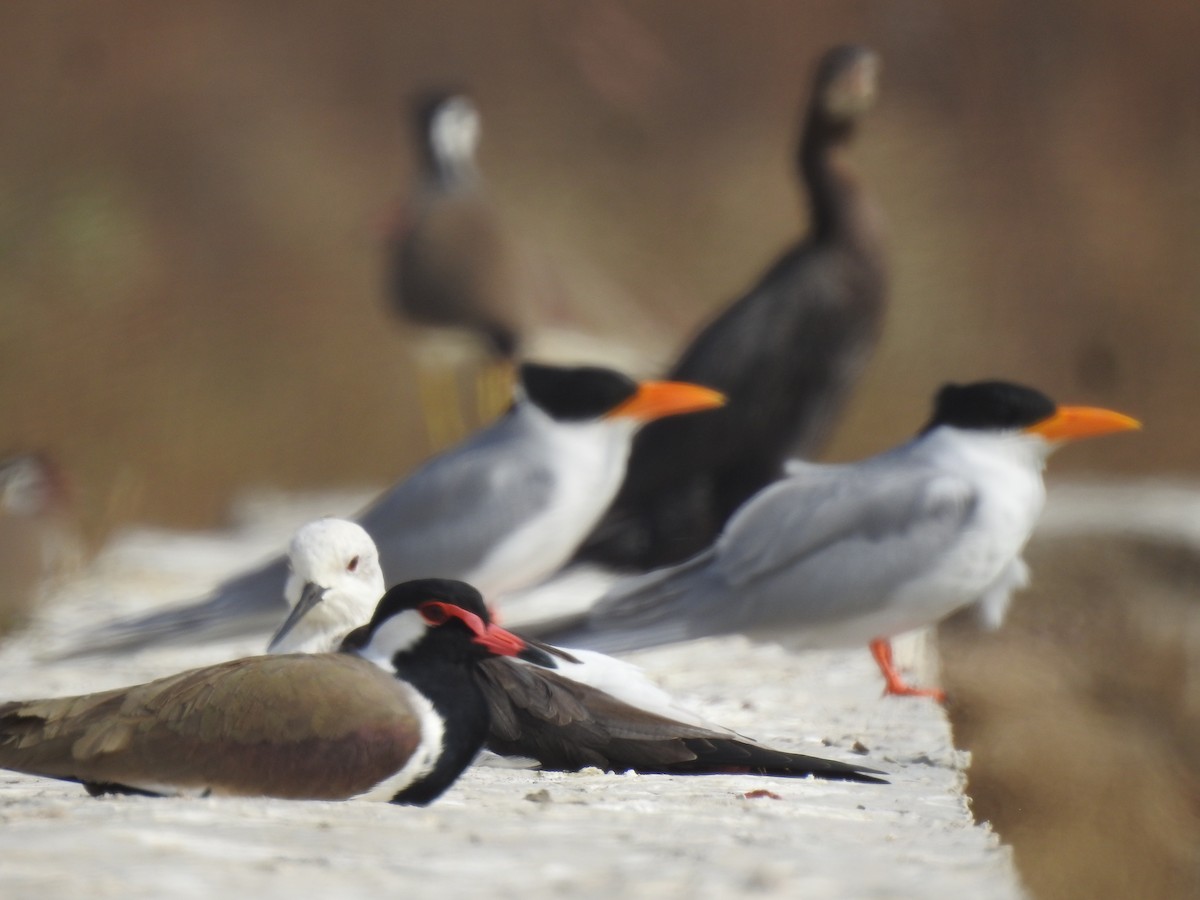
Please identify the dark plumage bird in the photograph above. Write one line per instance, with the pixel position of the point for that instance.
(567, 724)
(395, 717)
(455, 270)
(786, 353)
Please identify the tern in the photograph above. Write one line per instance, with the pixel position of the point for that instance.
(837, 555)
(500, 511)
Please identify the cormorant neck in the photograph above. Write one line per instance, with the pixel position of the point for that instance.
(449, 171)
(450, 686)
(833, 192)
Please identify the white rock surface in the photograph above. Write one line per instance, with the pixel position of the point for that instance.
(497, 832)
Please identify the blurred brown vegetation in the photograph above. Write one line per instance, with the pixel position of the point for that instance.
(190, 280)
(1083, 718)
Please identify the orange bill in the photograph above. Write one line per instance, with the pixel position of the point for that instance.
(655, 399)
(1071, 423)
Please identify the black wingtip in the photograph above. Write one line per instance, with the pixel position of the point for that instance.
(713, 756)
(535, 654)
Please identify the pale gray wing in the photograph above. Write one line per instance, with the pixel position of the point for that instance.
(890, 509)
(441, 521)
(449, 514)
(824, 546)
(820, 546)
(252, 601)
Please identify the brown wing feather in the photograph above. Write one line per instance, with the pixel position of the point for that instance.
(302, 726)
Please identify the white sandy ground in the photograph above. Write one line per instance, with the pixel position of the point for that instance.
(503, 833)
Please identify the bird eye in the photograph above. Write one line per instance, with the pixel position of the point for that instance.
(352, 565)
(434, 613)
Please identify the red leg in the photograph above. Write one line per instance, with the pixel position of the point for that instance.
(881, 649)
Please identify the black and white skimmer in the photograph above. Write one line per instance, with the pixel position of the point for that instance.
(844, 554)
(397, 717)
(501, 511)
(576, 709)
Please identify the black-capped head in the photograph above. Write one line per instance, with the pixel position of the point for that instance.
(575, 394)
(846, 83)
(412, 594)
(990, 406)
(439, 618)
(589, 393)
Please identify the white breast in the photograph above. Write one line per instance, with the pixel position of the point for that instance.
(587, 462)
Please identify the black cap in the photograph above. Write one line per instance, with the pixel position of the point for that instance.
(990, 406)
(575, 394)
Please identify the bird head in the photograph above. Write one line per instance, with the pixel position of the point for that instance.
(449, 126)
(335, 583)
(1005, 407)
(592, 393)
(440, 618)
(846, 83)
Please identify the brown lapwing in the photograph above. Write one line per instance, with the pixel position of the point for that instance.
(396, 716)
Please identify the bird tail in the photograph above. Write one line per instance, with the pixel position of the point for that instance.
(243, 605)
(661, 607)
(714, 756)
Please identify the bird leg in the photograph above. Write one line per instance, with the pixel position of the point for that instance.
(493, 389)
(438, 395)
(881, 649)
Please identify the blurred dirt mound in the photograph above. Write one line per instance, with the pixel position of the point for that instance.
(1083, 718)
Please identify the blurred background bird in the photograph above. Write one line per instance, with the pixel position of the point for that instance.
(37, 539)
(478, 294)
(787, 353)
(457, 273)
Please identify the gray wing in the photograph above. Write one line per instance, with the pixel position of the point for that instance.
(820, 546)
(241, 605)
(447, 516)
(439, 522)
